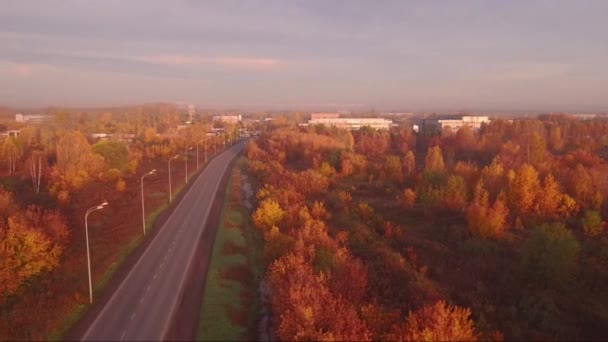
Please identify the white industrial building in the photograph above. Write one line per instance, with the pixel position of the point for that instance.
(352, 123)
(455, 123)
(31, 118)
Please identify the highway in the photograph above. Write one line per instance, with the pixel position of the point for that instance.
(142, 306)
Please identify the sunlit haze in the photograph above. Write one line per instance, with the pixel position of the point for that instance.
(397, 55)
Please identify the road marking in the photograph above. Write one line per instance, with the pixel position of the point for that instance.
(141, 300)
(189, 196)
(199, 234)
(123, 334)
(132, 316)
(155, 275)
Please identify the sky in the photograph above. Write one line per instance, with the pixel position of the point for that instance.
(389, 55)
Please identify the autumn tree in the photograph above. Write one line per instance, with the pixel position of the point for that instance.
(306, 308)
(268, 214)
(114, 153)
(550, 203)
(550, 254)
(454, 195)
(581, 184)
(36, 166)
(434, 159)
(76, 165)
(493, 177)
(465, 138)
(30, 244)
(556, 140)
(523, 187)
(436, 322)
(484, 220)
(592, 223)
(10, 154)
(408, 198)
(391, 169)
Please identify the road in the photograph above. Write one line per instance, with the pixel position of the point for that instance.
(143, 304)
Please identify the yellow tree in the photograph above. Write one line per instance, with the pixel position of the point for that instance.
(76, 165)
(434, 159)
(268, 214)
(32, 243)
(391, 169)
(523, 188)
(10, 154)
(484, 220)
(551, 203)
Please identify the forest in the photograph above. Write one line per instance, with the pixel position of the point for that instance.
(468, 235)
(52, 172)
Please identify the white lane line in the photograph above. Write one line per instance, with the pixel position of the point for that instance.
(141, 300)
(150, 248)
(155, 276)
(198, 237)
(123, 334)
(132, 316)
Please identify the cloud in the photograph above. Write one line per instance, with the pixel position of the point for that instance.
(23, 70)
(28, 70)
(247, 63)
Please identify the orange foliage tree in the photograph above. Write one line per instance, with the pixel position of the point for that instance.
(436, 322)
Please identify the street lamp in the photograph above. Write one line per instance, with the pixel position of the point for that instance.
(205, 150)
(86, 229)
(186, 149)
(170, 159)
(197, 154)
(143, 211)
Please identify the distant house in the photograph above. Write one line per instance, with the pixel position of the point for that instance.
(231, 119)
(31, 118)
(11, 133)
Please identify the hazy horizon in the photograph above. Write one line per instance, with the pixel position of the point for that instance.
(475, 56)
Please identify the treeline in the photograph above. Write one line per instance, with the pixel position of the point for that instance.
(486, 233)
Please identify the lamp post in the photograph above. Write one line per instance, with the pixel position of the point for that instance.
(197, 154)
(86, 229)
(205, 150)
(170, 193)
(143, 211)
(186, 149)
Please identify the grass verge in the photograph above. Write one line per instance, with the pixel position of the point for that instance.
(229, 307)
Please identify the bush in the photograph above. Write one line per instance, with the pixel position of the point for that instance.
(592, 223)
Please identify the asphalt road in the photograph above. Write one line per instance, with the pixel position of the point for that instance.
(142, 306)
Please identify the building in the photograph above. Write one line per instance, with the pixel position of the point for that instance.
(122, 137)
(314, 116)
(231, 119)
(11, 133)
(352, 123)
(456, 122)
(31, 118)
